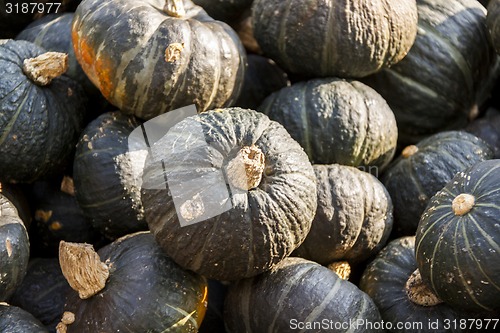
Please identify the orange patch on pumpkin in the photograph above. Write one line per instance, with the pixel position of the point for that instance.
(202, 307)
(103, 69)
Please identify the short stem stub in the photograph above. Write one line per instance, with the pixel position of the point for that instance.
(462, 204)
(245, 170)
(418, 292)
(46, 67)
(341, 268)
(409, 151)
(67, 319)
(82, 268)
(175, 8)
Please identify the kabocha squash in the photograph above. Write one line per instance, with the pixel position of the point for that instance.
(103, 174)
(486, 128)
(148, 57)
(297, 293)
(136, 288)
(353, 219)
(335, 37)
(445, 76)
(224, 10)
(16, 320)
(43, 291)
(423, 169)
(493, 22)
(385, 280)
(14, 249)
(240, 193)
(41, 112)
(458, 237)
(336, 121)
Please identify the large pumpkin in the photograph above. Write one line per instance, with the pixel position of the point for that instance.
(240, 194)
(130, 286)
(354, 216)
(423, 169)
(335, 37)
(294, 294)
(458, 239)
(336, 121)
(151, 56)
(493, 22)
(444, 77)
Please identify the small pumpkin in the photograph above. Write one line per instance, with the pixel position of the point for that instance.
(486, 128)
(148, 57)
(43, 291)
(14, 319)
(336, 121)
(353, 219)
(240, 194)
(224, 10)
(130, 286)
(294, 294)
(444, 78)
(335, 38)
(458, 239)
(41, 112)
(493, 22)
(386, 279)
(14, 249)
(423, 169)
(103, 172)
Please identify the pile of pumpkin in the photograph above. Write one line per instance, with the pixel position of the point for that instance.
(350, 148)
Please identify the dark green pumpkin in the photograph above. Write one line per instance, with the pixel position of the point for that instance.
(423, 169)
(458, 239)
(39, 125)
(14, 249)
(145, 292)
(335, 38)
(297, 291)
(445, 76)
(224, 10)
(16, 320)
(384, 280)
(487, 128)
(103, 173)
(493, 22)
(43, 291)
(147, 61)
(336, 121)
(204, 219)
(353, 219)
(262, 78)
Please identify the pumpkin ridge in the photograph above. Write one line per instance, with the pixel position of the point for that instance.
(13, 120)
(479, 181)
(282, 35)
(364, 147)
(304, 115)
(485, 234)
(327, 54)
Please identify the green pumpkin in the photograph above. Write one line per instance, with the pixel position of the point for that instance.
(458, 240)
(16, 320)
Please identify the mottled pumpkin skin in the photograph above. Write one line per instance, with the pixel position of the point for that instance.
(336, 121)
(224, 10)
(106, 189)
(296, 289)
(122, 46)
(353, 219)
(384, 281)
(412, 181)
(493, 22)
(14, 249)
(442, 80)
(14, 319)
(486, 128)
(261, 226)
(145, 292)
(39, 126)
(335, 37)
(458, 255)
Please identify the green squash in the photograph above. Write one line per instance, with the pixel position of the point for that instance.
(353, 219)
(458, 240)
(493, 22)
(336, 121)
(16, 320)
(423, 169)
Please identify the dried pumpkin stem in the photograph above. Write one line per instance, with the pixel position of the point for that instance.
(245, 170)
(175, 8)
(341, 268)
(418, 292)
(68, 186)
(409, 151)
(82, 268)
(46, 67)
(462, 204)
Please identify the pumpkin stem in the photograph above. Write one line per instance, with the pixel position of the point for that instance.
(409, 151)
(67, 186)
(462, 204)
(68, 318)
(46, 67)
(341, 268)
(418, 292)
(175, 8)
(245, 170)
(82, 268)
